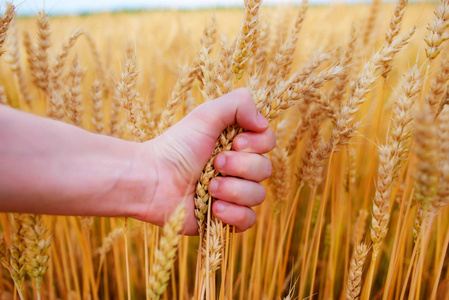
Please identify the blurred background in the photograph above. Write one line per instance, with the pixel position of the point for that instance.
(57, 7)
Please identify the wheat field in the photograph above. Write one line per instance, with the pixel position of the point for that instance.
(356, 206)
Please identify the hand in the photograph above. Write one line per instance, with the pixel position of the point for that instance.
(179, 155)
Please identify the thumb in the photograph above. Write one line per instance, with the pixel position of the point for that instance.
(237, 107)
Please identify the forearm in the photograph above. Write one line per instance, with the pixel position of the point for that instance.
(54, 168)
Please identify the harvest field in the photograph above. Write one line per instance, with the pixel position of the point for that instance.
(357, 201)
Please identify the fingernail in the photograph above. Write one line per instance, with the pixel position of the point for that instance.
(220, 206)
(220, 161)
(242, 143)
(213, 186)
(261, 120)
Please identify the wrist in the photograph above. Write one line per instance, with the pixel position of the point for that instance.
(139, 183)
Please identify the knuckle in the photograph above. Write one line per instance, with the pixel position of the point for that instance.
(202, 109)
(244, 95)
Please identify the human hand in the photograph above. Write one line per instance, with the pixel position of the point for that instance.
(179, 155)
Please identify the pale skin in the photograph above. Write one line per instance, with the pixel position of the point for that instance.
(50, 167)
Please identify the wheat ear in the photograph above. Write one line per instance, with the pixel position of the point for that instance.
(356, 272)
(363, 84)
(13, 58)
(207, 41)
(311, 169)
(437, 30)
(246, 37)
(17, 252)
(42, 71)
(211, 254)
(114, 115)
(5, 22)
(3, 99)
(278, 32)
(265, 98)
(128, 94)
(5, 256)
(438, 86)
(108, 241)
(341, 83)
(99, 66)
(74, 97)
(344, 125)
(370, 22)
(426, 176)
(178, 95)
(400, 132)
(359, 227)
(37, 247)
(305, 122)
(61, 59)
(223, 69)
(443, 137)
(97, 106)
(281, 65)
(165, 254)
(208, 75)
(393, 30)
(280, 185)
(261, 52)
(392, 154)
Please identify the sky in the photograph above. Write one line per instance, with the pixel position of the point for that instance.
(32, 7)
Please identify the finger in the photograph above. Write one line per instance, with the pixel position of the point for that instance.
(255, 142)
(249, 166)
(241, 217)
(238, 191)
(235, 107)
